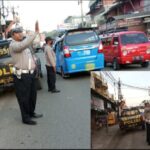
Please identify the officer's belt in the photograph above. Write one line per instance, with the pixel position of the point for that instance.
(27, 71)
(22, 71)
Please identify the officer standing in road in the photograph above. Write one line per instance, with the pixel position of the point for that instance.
(24, 73)
(50, 65)
(147, 120)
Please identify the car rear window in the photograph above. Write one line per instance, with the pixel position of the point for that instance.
(81, 37)
(134, 38)
(130, 113)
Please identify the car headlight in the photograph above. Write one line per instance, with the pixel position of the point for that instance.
(125, 53)
(148, 51)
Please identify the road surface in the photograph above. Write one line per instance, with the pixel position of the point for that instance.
(66, 121)
(116, 139)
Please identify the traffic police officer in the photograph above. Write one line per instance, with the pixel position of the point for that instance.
(24, 73)
(50, 65)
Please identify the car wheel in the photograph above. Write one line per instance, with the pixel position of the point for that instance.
(116, 65)
(63, 74)
(145, 64)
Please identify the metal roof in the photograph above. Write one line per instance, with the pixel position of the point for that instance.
(132, 16)
(80, 29)
(119, 33)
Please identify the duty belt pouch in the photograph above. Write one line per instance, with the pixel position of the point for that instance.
(18, 73)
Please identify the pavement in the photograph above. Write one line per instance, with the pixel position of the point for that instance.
(66, 120)
(116, 139)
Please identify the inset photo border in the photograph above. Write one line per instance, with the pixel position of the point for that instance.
(118, 103)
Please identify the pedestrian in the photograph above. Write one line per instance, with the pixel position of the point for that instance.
(24, 73)
(147, 120)
(50, 65)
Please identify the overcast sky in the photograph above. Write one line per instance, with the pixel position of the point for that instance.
(48, 13)
(136, 78)
(132, 96)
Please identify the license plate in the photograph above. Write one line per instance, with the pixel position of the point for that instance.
(87, 52)
(84, 53)
(137, 58)
(90, 66)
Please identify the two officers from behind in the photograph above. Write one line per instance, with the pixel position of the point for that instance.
(50, 65)
(24, 73)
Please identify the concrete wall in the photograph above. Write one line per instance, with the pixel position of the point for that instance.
(138, 28)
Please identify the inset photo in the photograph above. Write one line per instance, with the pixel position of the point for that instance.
(120, 110)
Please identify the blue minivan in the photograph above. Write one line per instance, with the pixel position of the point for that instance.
(79, 50)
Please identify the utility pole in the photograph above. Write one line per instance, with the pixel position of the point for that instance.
(149, 91)
(3, 21)
(81, 4)
(120, 97)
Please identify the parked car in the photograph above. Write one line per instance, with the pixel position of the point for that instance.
(131, 118)
(128, 47)
(79, 50)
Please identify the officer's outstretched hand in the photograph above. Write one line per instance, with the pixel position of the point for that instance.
(37, 27)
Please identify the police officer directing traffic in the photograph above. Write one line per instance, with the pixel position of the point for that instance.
(24, 73)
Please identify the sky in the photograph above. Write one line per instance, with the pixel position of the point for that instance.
(48, 13)
(132, 96)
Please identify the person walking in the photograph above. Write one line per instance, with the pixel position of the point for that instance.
(147, 121)
(24, 73)
(50, 65)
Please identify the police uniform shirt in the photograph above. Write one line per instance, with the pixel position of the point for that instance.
(21, 54)
(50, 56)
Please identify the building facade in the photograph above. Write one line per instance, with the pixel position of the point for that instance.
(76, 21)
(101, 100)
(97, 8)
(126, 14)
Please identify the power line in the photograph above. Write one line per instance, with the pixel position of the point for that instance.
(124, 84)
(108, 77)
(135, 87)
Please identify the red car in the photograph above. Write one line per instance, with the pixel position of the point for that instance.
(128, 47)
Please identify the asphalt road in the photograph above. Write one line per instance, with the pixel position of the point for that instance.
(66, 121)
(116, 139)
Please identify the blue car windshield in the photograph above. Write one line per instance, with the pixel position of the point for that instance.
(136, 38)
(81, 37)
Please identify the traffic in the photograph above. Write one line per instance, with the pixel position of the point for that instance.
(79, 50)
(84, 50)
